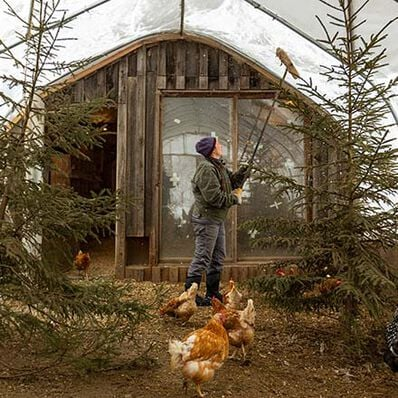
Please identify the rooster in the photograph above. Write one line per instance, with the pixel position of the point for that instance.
(201, 353)
(183, 306)
(233, 298)
(82, 263)
(239, 324)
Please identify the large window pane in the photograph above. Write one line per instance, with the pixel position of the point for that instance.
(185, 121)
(280, 151)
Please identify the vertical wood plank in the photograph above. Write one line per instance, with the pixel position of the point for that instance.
(137, 112)
(156, 275)
(161, 70)
(121, 161)
(171, 65)
(90, 87)
(192, 66)
(235, 273)
(112, 81)
(213, 72)
(233, 74)
(182, 274)
(252, 272)
(164, 274)
(78, 91)
(234, 123)
(244, 77)
(264, 84)
(203, 67)
(173, 274)
(223, 71)
(101, 83)
(150, 160)
(226, 274)
(180, 65)
(147, 274)
(155, 184)
(243, 273)
(132, 62)
(254, 79)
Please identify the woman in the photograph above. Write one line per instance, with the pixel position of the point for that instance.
(215, 189)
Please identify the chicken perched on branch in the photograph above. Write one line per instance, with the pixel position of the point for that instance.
(82, 263)
(233, 298)
(282, 55)
(183, 306)
(201, 353)
(239, 324)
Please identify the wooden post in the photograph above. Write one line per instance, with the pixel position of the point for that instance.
(121, 160)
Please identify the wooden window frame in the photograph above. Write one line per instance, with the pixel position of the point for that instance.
(235, 97)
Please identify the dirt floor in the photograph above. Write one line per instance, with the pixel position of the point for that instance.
(295, 357)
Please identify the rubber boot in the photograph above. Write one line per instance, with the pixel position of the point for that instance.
(213, 286)
(192, 279)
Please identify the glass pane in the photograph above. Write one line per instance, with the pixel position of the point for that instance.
(185, 121)
(280, 151)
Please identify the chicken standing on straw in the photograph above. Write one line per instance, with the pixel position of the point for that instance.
(82, 263)
(183, 306)
(233, 298)
(239, 324)
(201, 353)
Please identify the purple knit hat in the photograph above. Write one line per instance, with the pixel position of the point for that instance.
(205, 146)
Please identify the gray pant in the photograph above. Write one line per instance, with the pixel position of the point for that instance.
(209, 248)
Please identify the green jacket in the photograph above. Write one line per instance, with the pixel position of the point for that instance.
(212, 187)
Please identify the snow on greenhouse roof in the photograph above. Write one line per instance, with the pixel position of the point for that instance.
(252, 28)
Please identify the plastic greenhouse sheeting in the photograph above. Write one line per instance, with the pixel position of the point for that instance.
(253, 28)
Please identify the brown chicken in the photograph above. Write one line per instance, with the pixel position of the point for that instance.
(201, 353)
(233, 298)
(239, 324)
(82, 263)
(183, 306)
(324, 287)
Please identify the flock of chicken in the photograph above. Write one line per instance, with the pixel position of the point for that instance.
(204, 351)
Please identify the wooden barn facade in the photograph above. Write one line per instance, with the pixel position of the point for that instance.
(170, 91)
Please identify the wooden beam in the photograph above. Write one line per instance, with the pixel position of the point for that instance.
(137, 111)
(161, 73)
(121, 161)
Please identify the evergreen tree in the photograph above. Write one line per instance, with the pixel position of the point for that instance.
(350, 184)
(38, 303)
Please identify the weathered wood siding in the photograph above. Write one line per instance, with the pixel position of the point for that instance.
(135, 82)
